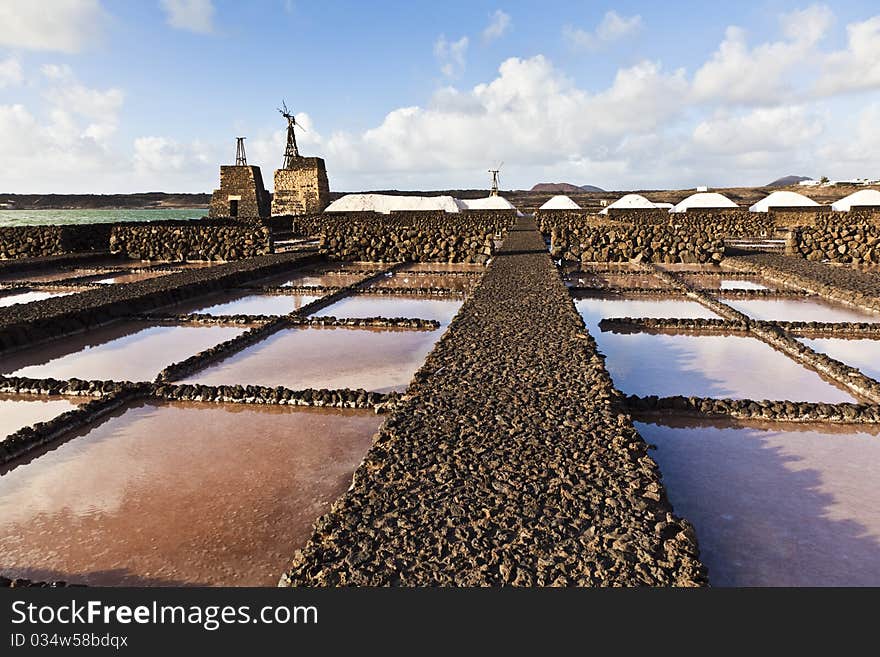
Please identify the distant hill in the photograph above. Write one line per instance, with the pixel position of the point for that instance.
(564, 188)
(785, 181)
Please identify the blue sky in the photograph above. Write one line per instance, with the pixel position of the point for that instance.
(135, 95)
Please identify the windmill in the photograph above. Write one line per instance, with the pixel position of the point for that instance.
(240, 155)
(291, 152)
(495, 178)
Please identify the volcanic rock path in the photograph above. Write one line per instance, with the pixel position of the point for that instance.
(509, 461)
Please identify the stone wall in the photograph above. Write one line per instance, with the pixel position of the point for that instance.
(200, 240)
(245, 183)
(41, 241)
(406, 236)
(640, 243)
(858, 243)
(302, 189)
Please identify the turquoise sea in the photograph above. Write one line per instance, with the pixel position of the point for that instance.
(68, 217)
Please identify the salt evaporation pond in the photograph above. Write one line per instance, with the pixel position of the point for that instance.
(863, 354)
(129, 351)
(722, 366)
(364, 305)
(722, 283)
(29, 297)
(322, 357)
(797, 506)
(19, 411)
(808, 309)
(182, 494)
(247, 304)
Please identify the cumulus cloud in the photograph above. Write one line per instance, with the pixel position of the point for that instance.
(740, 74)
(65, 25)
(762, 129)
(499, 23)
(613, 27)
(67, 141)
(856, 68)
(10, 72)
(451, 55)
(191, 15)
(529, 112)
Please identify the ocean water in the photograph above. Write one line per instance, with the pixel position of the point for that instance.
(71, 217)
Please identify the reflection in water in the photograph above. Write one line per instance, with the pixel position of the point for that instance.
(793, 507)
(443, 266)
(405, 279)
(254, 304)
(594, 309)
(442, 310)
(19, 411)
(378, 360)
(29, 297)
(812, 309)
(862, 354)
(121, 278)
(730, 366)
(166, 494)
(722, 283)
(132, 351)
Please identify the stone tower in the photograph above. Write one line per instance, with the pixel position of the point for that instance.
(301, 185)
(241, 192)
(302, 188)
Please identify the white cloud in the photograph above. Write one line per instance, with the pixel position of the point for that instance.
(190, 15)
(858, 67)
(63, 25)
(10, 72)
(613, 27)
(859, 146)
(760, 130)
(529, 112)
(499, 23)
(763, 74)
(451, 55)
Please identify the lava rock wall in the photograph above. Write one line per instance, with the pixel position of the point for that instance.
(191, 240)
(41, 241)
(407, 236)
(859, 244)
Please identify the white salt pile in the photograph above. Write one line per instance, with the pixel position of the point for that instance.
(869, 197)
(560, 202)
(783, 200)
(387, 203)
(704, 200)
(630, 202)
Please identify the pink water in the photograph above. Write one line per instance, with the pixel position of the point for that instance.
(183, 494)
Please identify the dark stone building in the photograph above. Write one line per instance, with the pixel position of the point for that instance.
(302, 187)
(241, 193)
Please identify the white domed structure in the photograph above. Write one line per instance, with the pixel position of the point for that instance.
(864, 197)
(630, 202)
(560, 202)
(783, 200)
(387, 203)
(707, 200)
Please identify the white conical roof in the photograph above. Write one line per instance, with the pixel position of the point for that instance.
(386, 203)
(560, 202)
(630, 202)
(704, 200)
(862, 197)
(783, 200)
